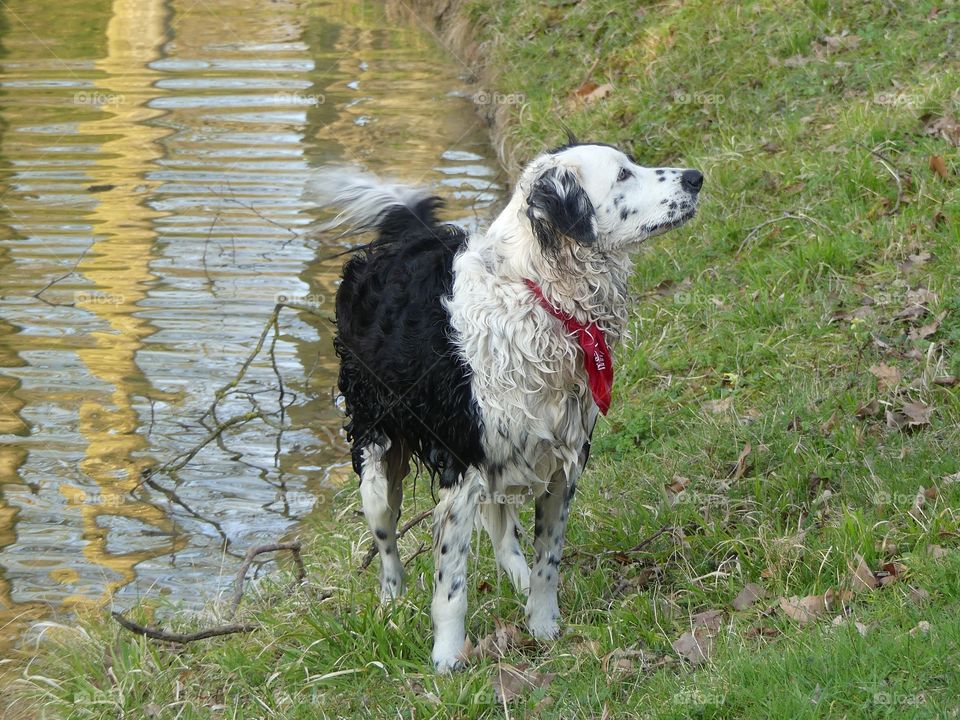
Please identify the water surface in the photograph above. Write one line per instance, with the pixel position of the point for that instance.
(152, 155)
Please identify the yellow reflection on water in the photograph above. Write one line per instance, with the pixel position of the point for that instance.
(118, 267)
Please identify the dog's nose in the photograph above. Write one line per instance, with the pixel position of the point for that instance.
(691, 181)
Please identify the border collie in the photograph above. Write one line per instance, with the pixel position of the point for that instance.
(487, 356)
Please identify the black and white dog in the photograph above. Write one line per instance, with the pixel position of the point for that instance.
(487, 356)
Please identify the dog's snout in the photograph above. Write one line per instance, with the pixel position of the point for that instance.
(691, 180)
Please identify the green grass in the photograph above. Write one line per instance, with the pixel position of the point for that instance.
(743, 305)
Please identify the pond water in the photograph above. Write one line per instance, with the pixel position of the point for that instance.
(152, 156)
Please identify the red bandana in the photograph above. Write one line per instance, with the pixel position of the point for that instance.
(597, 359)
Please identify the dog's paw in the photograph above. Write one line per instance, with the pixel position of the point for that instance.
(546, 628)
(449, 665)
(391, 588)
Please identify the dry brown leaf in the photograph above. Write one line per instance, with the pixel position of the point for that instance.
(590, 92)
(831, 422)
(678, 485)
(803, 610)
(585, 89)
(868, 410)
(748, 596)
(741, 466)
(917, 413)
(945, 380)
(945, 127)
(512, 681)
(863, 578)
(495, 645)
(937, 551)
(923, 627)
(719, 407)
(837, 599)
(888, 376)
(925, 331)
(695, 647)
(709, 619)
(939, 166)
(625, 661)
(762, 632)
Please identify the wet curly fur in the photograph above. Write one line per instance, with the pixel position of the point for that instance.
(446, 356)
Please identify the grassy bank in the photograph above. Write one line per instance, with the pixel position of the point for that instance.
(785, 410)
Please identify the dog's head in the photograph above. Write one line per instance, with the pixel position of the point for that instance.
(596, 195)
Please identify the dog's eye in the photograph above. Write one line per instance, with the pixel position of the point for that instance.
(624, 175)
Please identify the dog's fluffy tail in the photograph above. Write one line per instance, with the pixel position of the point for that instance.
(365, 202)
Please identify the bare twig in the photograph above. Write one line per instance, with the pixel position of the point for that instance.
(39, 293)
(293, 547)
(180, 638)
(410, 524)
(888, 164)
(800, 217)
(644, 543)
(420, 551)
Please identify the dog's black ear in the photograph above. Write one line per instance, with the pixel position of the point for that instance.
(558, 207)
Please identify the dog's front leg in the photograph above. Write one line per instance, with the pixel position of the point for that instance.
(543, 611)
(453, 522)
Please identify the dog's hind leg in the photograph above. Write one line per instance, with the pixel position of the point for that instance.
(453, 521)
(382, 469)
(500, 521)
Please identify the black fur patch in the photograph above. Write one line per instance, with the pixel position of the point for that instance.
(558, 207)
(400, 374)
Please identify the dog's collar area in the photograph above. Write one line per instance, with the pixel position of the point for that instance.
(597, 360)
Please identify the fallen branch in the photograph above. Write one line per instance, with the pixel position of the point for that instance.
(372, 552)
(293, 547)
(180, 638)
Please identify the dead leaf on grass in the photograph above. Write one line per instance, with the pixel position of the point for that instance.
(937, 551)
(751, 593)
(803, 610)
(863, 578)
(718, 407)
(868, 410)
(888, 376)
(917, 413)
(939, 166)
(925, 331)
(709, 619)
(923, 627)
(513, 681)
(740, 468)
(694, 646)
(590, 92)
(495, 645)
(918, 596)
(946, 127)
